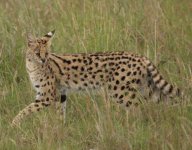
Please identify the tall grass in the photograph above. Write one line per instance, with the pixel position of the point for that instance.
(159, 29)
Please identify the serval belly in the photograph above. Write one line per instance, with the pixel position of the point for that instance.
(124, 75)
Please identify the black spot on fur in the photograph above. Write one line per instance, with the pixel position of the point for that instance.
(138, 81)
(123, 87)
(117, 81)
(133, 81)
(74, 67)
(170, 89)
(74, 60)
(37, 100)
(36, 105)
(128, 103)
(123, 78)
(115, 95)
(133, 96)
(138, 68)
(121, 96)
(123, 69)
(82, 69)
(37, 86)
(128, 73)
(135, 73)
(79, 60)
(115, 88)
(63, 98)
(75, 81)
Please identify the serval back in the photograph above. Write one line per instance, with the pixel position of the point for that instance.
(128, 77)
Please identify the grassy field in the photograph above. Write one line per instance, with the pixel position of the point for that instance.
(158, 29)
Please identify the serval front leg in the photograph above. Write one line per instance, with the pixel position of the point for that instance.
(40, 103)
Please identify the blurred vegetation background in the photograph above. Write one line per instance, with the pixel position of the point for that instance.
(158, 29)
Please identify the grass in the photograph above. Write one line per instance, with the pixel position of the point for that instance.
(160, 30)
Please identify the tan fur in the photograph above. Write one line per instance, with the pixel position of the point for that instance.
(125, 75)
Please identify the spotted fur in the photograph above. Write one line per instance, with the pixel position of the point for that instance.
(125, 75)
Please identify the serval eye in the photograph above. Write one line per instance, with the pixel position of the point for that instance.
(46, 54)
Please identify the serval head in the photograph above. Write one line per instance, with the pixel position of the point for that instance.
(38, 48)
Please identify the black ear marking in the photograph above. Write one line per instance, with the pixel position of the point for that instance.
(50, 34)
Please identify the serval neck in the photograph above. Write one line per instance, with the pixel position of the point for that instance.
(33, 66)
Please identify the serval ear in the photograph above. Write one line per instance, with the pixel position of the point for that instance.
(30, 39)
(48, 37)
